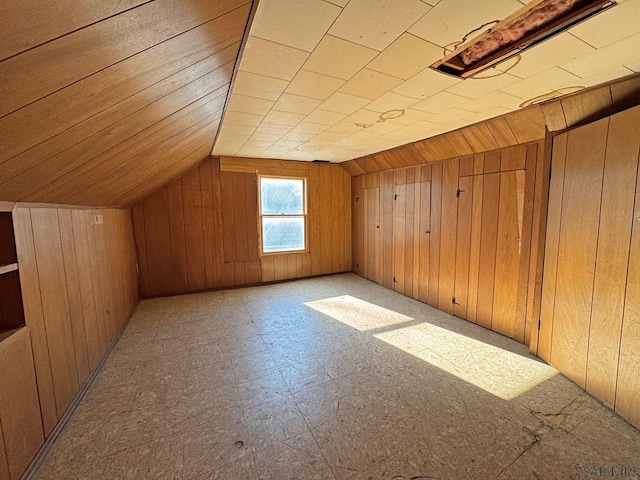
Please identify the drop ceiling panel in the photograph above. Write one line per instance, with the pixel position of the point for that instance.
(284, 62)
(297, 23)
(365, 84)
(339, 58)
(377, 23)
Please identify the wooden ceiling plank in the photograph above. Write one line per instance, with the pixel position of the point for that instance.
(501, 131)
(211, 85)
(264, 166)
(135, 151)
(480, 138)
(528, 124)
(554, 116)
(87, 155)
(459, 143)
(588, 107)
(625, 94)
(90, 105)
(352, 168)
(57, 64)
(424, 152)
(193, 146)
(46, 23)
(440, 147)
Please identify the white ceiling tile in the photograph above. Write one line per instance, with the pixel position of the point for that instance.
(324, 117)
(266, 137)
(605, 58)
(343, 103)
(344, 127)
(314, 85)
(410, 116)
(450, 20)
(391, 101)
(406, 56)
(288, 119)
(239, 129)
(426, 83)
(296, 104)
(272, 129)
(242, 104)
(340, 3)
(296, 23)
(299, 136)
(364, 117)
(451, 115)
(491, 101)
(234, 138)
(377, 23)
(257, 144)
(440, 102)
(222, 148)
(602, 77)
(331, 136)
(247, 119)
(271, 59)
(485, 82)
(423, 128)
(385, 127)
(633, 65)
(559, 49)
(369, 84)
(610, 26)
(339, 58)
(252, 85)
(306, 127)
(540, 83)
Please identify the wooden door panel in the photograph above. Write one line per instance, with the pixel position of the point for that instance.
(399, 237)
(424, 241)
(463, 246)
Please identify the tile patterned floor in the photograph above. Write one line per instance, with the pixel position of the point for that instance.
(252, 384)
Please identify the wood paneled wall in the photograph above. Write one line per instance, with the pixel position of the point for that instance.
(104, 102)
(514, 128)
(466, 229)
(590, 317)
(201, 231)
(79, 286)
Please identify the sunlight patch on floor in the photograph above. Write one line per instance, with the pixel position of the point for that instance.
(358, 313)
(497, 371)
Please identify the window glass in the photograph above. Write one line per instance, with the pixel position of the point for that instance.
(281, 196)
(281, 234)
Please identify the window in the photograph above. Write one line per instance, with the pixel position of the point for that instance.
(283, 214)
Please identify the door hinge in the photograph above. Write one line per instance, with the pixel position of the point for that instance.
(394, 280)
(357, 199)
(357, 265)
(395, 196)
(453, 301)
(458, 192)
(539, 322)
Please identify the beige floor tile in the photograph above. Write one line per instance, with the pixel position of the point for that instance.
(258, 385)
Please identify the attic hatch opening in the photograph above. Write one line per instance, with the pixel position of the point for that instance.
(529, 26)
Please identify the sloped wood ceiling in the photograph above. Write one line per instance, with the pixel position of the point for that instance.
(103, 102)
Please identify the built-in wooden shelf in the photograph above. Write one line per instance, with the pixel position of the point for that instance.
(11, 309)
(8, 268)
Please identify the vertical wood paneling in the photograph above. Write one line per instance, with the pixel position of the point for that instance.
(387, 189)
(204, 227)
(34, 315)
(488, 245)
(616, 222)
(19, 407)
(628, 385)
(76, 312)
(474, 250)
(463, 247)
(399, 237)
(424, 241)
(577, 249)
(4, 465)
(194, 231)
(53, 291)
(434, 243)
(505, 294)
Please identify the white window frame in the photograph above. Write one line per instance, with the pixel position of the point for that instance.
(304, 214)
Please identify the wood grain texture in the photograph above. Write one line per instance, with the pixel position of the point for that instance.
(577, 249)
(628, 386)
(203, 229)
(86, 105)
(463, 247)
(19, 407)
(612, 256)
(449, 209)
